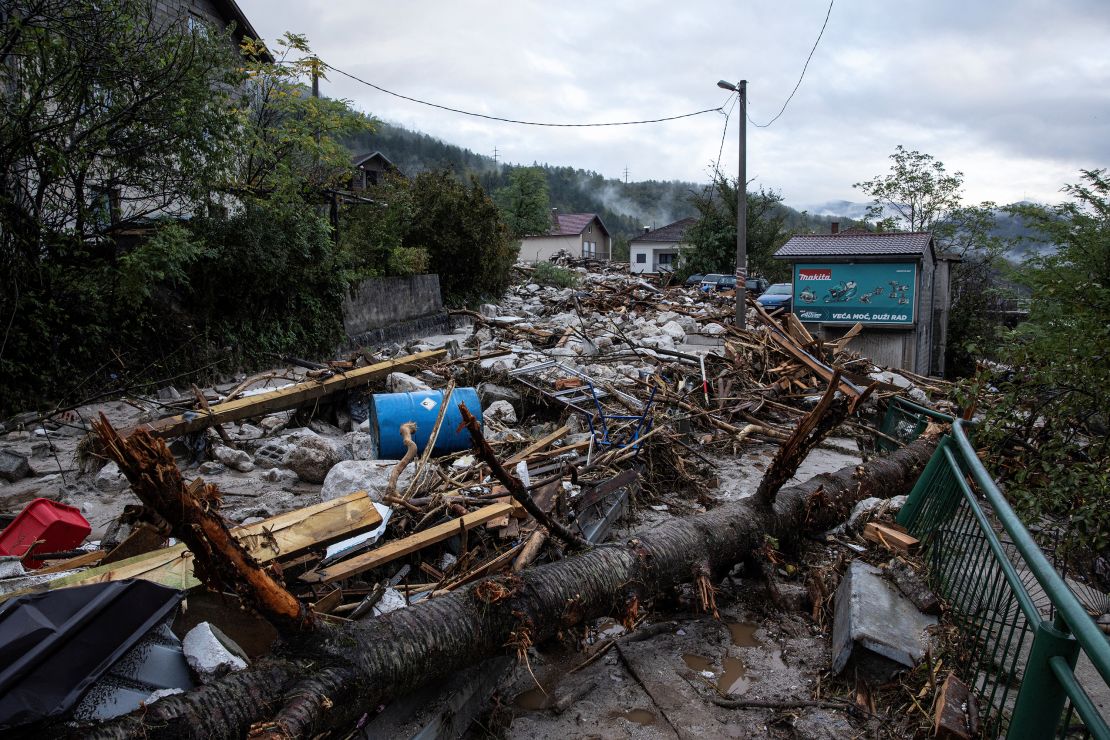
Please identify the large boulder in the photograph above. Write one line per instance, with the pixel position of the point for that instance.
(371, 476)
(110, 479)
(13, 465)
(234, 459)
(312, 457)
(675, 331)
(501, 411)
(405, 383)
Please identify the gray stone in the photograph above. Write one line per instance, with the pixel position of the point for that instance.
(249, 431)
(234, 459)
(13, 465)
(675, 331)
(875, 628)
(713, 330)
(169, 393)
(278, 475)
(404, 383)
(211, 467)
(40, 450)
(360, 444)
(110, 480)
(11, 566)
(489, 393)
(501, 411)
(371, 476)
(324, 429)
(488, 310)
(312, 457)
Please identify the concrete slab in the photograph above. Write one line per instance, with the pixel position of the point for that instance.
(876, 628)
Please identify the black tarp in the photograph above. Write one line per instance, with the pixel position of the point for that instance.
(55, 645)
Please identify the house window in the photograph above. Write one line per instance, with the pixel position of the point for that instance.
(666, 258)
(104, 206)
(590, 229)
(197, 25)
(641, 258)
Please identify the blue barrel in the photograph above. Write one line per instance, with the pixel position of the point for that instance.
(388, 411)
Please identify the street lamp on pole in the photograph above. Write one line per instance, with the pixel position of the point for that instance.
(741, 89)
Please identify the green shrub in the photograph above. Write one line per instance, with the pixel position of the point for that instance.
(555, 276)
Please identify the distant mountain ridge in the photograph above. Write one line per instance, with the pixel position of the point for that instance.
(626, 208)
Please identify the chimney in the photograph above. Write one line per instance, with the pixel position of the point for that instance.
(647, 229)
(835, 226)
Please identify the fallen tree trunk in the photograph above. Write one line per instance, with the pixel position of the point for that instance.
(333, 677)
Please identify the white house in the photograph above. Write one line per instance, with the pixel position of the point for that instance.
(657, 250)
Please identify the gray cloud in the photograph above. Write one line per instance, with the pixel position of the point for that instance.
(1015, 94)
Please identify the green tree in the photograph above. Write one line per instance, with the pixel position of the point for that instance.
(468, 243)
(292, 142)
(524, 202)
(919, 194)
(109, 118)
(712, 238)
(1048, 434)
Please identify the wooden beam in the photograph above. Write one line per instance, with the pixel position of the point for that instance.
(399, 548)
(890, 538)
(537, 446)
(281, 535)
(283, 398)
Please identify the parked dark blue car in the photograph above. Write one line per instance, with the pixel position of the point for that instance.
(779, 295)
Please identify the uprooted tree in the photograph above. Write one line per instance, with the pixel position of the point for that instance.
(326, 679)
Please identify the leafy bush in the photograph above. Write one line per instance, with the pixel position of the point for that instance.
(555, 276)
(1048, 436)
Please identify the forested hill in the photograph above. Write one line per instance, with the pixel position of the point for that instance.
(626, 208)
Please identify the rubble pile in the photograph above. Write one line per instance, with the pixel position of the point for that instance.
(524, 436)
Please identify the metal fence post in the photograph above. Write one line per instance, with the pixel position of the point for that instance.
(1041, 699)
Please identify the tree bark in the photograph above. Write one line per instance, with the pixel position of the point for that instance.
(329, 679)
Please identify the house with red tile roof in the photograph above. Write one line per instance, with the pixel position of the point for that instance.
(583, 235)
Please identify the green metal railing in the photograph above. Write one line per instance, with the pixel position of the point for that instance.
(1022, 626)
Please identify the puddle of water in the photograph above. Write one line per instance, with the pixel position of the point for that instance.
(743, 634)
(639, 716)
(733, 679)
(534, 699)
(698, 663)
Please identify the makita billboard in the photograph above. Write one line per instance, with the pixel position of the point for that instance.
(868, 293)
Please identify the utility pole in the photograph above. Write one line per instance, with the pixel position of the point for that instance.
(741, 90)
(495, 156)
(626, 175)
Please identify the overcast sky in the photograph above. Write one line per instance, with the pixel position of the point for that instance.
(1014, 93)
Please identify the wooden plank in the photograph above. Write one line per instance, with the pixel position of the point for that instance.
(890, 538)
(89, 558)
(143, 538)
(283, 398)
(284, 535)
(536, 446)
(399, 548)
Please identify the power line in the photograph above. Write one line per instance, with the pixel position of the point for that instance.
(513, 120)
(802, 75)
(717, 167)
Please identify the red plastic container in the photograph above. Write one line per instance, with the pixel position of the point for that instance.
(59, 527)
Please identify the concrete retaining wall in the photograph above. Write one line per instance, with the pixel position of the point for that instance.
(383, 310)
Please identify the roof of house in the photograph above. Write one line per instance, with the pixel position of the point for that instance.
(360, 159)
(675, 232)
(572, 224)
(855, 244)
(243, 28)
